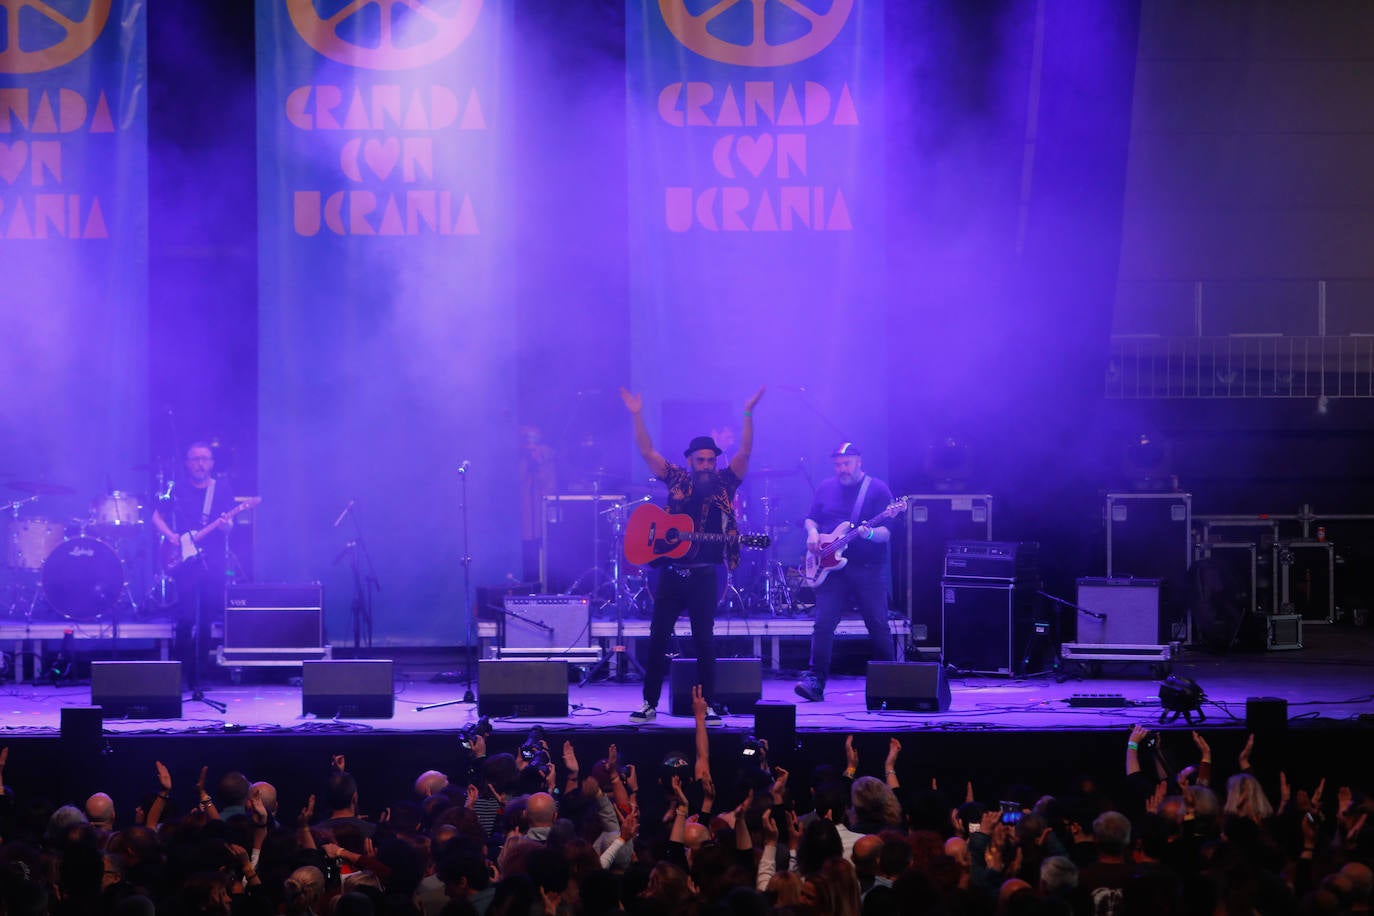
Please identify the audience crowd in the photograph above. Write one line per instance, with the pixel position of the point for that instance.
(542, 832)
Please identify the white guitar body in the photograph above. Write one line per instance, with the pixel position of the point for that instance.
(816, 566)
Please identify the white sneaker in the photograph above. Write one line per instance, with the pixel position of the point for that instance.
(713, 717)
(645, 713)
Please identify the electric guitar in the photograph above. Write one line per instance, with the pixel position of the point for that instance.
(830, 557)
(187, 546)
(653, 534)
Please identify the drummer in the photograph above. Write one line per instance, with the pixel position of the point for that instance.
(195, 503)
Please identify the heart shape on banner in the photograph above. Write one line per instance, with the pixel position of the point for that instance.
(755, 153)
(382, 155)
(12, 159)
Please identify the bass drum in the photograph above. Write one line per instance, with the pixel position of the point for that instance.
(83, 579)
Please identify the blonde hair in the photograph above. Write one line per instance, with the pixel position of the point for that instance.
(1245, 797)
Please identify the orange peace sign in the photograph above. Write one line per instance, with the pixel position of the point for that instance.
(77, 39)
(421, 36)
(693, 32)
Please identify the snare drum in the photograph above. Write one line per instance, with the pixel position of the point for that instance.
(116, 513)
(30, 540)
(83, 579)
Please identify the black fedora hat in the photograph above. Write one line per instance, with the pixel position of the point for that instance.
(701, 442)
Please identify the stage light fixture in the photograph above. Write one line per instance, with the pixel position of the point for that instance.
(1181, 696)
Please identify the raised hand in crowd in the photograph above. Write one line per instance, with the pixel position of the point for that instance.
(337, 762)
(1204, 767)
(1243, 761)
(206, 803)
(851, 758)
(894, 747)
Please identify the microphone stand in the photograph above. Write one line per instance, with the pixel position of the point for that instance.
(363, 584)
(1060, 604)
(471, 625)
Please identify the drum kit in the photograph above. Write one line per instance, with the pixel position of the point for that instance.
(75, 568)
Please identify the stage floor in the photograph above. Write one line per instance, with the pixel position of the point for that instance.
(1329, 681)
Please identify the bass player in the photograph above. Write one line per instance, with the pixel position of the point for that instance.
(848, 499)
(692, 583)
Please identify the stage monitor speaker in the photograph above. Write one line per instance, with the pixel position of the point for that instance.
(137, 690)
(356, 689)
(911, 686)
(554, 622)
(1131, 607)
(994, 629)
(739, 685)
(526, 689)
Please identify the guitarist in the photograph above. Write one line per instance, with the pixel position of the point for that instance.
(848, 498)
(692, 584)
(193, 503)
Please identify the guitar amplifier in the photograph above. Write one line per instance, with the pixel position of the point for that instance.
(1001, 561)
(273, 623)
(553, 622)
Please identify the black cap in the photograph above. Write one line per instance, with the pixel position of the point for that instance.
(699, 443)
(844, 449)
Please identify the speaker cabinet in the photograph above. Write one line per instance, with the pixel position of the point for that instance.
(273, 623)
(776, 723)
(137, 690)
(1131, 607)
(531, 689)
(554, 622)
(357, 689)
(993, 629)
(739, 684)
(912, 686)
(919, 552)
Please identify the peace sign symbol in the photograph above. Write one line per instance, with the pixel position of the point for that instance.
(77, 35)
(821, 29)
(406, 34)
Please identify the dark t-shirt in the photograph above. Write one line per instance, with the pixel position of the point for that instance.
(713, 512)
(184, 512)
(834, 503)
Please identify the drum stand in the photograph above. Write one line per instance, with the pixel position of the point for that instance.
(619, 596)
(772, 596)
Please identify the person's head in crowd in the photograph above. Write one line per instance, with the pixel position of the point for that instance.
(696, 835)
(1153, 833)
(61, 822)
(668, 884)
(268, 794)
(354, 903)
(833, 889)
(820, 840)
(867, 849)
(1361, 880)
(112, 872)
(205, 893)
(341, 794)
(430, 782)
(1011, 889)
(500, 773)
(832, 801)
(1206, 805)
(407, 859)
(349, 836)
(874, 804)
(785, 887)
(541, 810)
(1245, 796)
(1173, 808)
(1112, 834)
(956, 847)
(232, 792)
(1058, 876)
(968, 818)
(899, 851)
(304, 889)
(100, 811)
(462, 867)
(549, 871)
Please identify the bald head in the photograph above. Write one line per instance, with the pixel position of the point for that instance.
(867, 849)
(430, 782)
(696, 836)
(1361, 881)
(100, 810)
(540, 810)
(957, 849)
(268, 793)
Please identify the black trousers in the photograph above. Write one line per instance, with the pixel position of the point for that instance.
(694, 589)
(200, 602)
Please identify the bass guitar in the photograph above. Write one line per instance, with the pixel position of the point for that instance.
(187, 546)
(830, 555)
(653, 534)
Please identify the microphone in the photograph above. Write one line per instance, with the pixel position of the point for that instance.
(463, 468)
(344, 514)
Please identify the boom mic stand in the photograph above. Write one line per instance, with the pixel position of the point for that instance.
(1059, 604)
(364, 584)
(471, 625)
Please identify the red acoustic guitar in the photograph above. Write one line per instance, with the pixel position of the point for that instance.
(653, 534)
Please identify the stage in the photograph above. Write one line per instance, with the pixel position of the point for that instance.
(996, 728)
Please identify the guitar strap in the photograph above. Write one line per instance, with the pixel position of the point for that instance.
(859, 501)
(210, 500)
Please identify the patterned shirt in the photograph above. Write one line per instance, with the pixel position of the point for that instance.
(682, 499)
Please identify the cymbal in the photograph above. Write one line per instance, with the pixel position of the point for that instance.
(40, 487)
(772, 473)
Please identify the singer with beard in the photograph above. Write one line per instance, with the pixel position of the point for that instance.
(692, 584)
